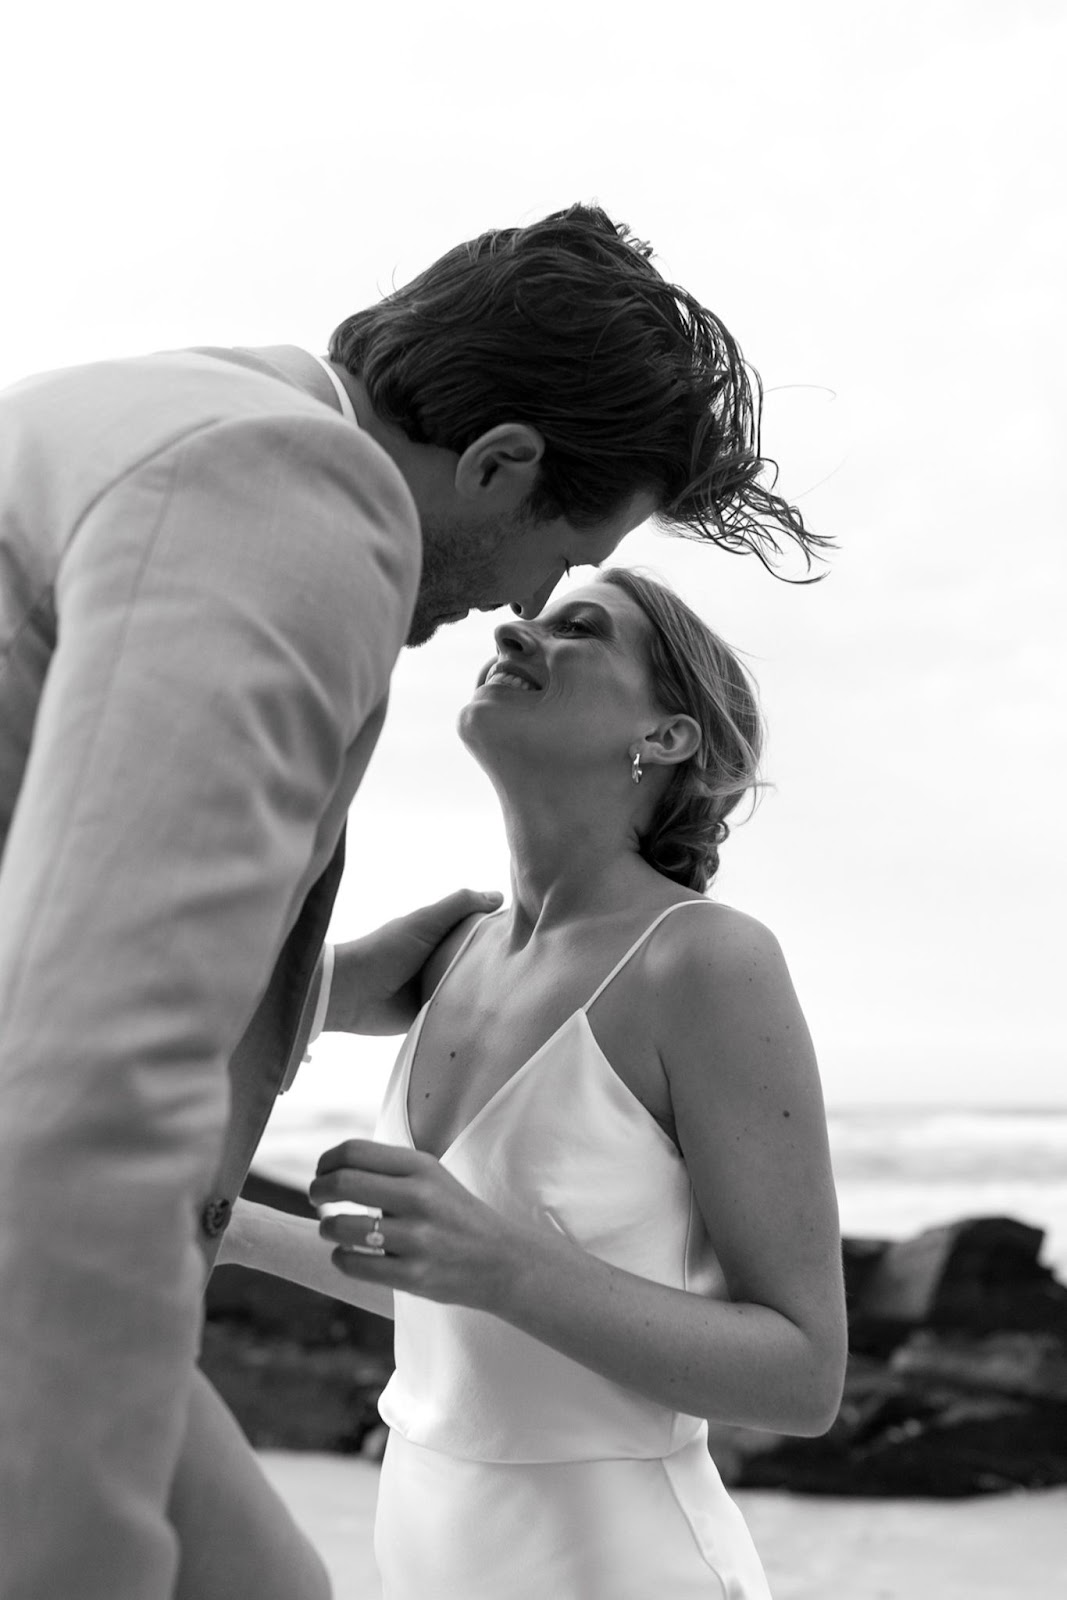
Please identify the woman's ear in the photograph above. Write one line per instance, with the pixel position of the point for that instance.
(674, 740)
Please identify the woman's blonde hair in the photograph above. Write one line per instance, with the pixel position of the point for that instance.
(695, 673)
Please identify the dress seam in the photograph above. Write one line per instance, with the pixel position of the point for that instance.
(676, 1497)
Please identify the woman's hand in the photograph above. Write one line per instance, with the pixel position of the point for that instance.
(376, 986)
(441, 1241)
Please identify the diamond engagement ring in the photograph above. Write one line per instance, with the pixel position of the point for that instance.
(375, 1239)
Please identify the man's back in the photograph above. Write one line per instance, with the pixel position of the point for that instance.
(69, 438)
(206, 576)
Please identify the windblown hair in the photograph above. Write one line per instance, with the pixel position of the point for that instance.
(633, 385)
(694, 672)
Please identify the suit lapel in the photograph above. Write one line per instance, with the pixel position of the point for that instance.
(274, 1039)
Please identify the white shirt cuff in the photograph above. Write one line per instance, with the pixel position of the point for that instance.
(322, 1003)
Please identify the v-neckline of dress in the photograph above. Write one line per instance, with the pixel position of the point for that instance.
(480, 1113)
(581, 1012)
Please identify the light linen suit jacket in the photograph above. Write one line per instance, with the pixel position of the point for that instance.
(206, 576)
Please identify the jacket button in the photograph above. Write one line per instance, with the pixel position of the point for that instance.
(214, 1217)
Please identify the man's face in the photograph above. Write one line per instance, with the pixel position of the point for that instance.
(471, 563)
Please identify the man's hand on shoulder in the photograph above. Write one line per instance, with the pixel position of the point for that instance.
(377, 985)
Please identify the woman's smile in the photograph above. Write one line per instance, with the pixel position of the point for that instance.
(508, 680)
(509, 675)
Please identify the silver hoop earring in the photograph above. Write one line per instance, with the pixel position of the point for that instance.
(635, 771)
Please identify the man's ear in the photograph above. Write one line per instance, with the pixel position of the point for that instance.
(502, 463)
(672, 741)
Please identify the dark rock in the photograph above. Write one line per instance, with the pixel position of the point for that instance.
(973, 1395)
(860, 1258)
(282, 1196)
(272, 1308)
(927, 1445)
(732, 1448)
(288, 1396)
(1033, 1365)
(982, 1274)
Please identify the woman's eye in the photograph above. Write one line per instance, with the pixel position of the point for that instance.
(569, 623)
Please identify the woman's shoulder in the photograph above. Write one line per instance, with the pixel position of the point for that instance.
(446, 952)
(720, 990)
(710, 946)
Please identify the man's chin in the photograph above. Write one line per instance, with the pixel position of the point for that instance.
(424, 627)
(424, 624)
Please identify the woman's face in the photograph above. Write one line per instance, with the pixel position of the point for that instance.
(569, 686)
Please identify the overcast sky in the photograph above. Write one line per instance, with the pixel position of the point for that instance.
(871, 198)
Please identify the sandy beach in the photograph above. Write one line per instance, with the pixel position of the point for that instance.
(993, 1547)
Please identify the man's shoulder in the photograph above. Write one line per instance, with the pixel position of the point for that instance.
(219, 382)
(104, 417)
(92, 428)
(165, 393)
(271, 390)
(287, 372)
(197, 384)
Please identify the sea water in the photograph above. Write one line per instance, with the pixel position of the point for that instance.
(902, 1168)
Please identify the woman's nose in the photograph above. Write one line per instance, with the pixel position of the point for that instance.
(513, 636)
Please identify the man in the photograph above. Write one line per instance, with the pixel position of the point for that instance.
(209, 561)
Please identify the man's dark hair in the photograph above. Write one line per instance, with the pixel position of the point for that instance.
(633, 385)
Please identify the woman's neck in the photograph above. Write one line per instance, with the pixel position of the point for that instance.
(569, 870)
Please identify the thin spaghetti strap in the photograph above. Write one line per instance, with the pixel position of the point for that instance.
(470, 935)
(637, 945)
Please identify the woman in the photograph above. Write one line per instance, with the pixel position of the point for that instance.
(601, 1166)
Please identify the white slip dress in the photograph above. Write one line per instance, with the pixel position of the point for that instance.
(512, 1472)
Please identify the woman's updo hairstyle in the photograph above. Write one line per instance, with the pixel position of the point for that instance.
(695, 673)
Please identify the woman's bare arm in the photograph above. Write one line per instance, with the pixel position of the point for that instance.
(749, 1113)
(751, 1121)
(291, 1247)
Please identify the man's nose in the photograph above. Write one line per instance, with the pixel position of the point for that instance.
(535, 603)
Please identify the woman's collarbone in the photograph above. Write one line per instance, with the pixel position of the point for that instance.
(476, 1044)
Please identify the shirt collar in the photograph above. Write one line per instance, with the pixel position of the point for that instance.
(347, 408)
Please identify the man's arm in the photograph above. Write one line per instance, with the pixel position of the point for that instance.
(378, 984)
